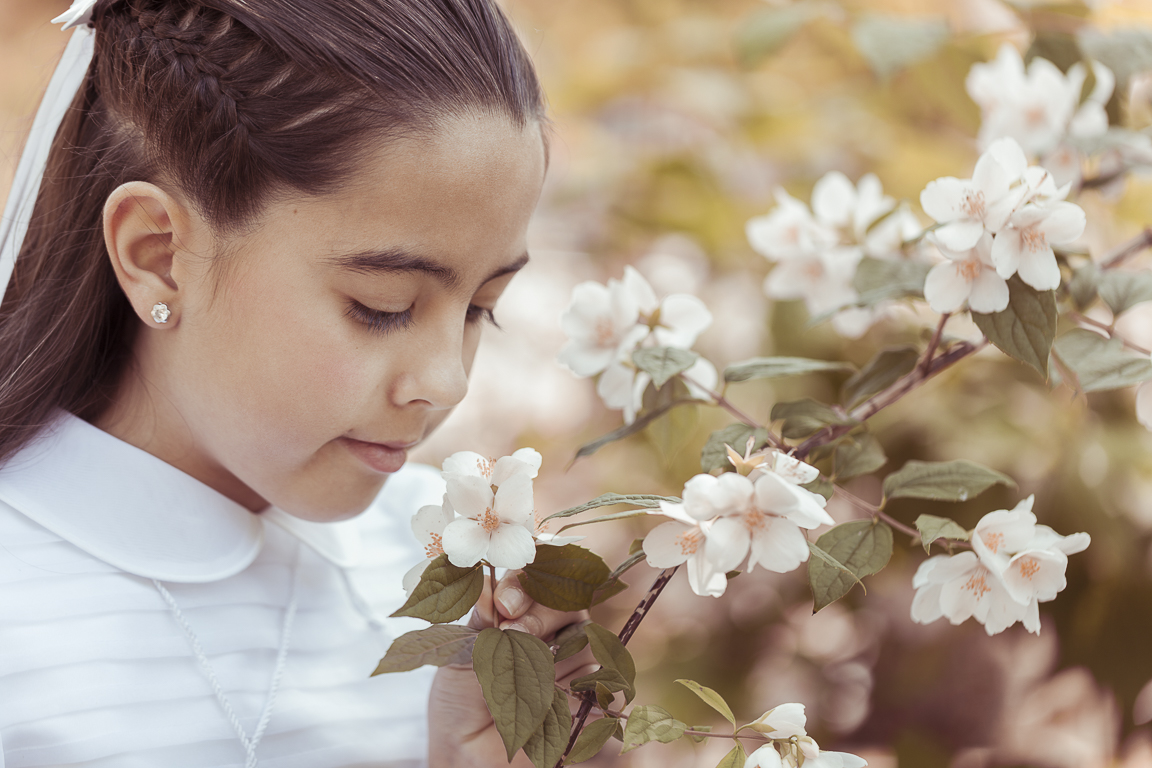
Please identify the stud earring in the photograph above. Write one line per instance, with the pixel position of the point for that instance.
(161, 313)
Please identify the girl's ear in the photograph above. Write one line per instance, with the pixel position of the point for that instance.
(142, 225)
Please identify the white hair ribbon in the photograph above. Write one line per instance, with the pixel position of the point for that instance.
(61, 91)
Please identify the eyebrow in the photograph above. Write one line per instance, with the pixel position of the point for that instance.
(399, 260)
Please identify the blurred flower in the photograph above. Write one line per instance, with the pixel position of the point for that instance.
(601, 323)
(1025, 247)
(967, 276)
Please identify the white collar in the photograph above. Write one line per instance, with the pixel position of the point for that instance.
(132, 510)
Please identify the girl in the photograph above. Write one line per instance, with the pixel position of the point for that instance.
(267, 237)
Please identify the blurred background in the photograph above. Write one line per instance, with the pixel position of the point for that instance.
(673, 122)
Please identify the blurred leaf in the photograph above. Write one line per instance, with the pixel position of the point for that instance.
(781, 367)
(1101, 363)
(546, 745)
(436, 645)
(711, 698)
(445, 592)
(859, 455)
(644, 500)
(890, 278)
(1056, 46)
(734, 759)
(803, 417)
(517, 676)
(715, 454)
(822, 486)
(612, 655)
(570, 640)
(767, 31)
(1126, 50)
(1025, 329)
(882, 371)
(1083, 285)
(674, 429)
(1123, 290)
(697, 737)
(662, 363)
(889, 42)
(958, 480)
(932, 527)
(564, 578)
(650, 723)
(592, 739)
(628, 430)
(861, 547)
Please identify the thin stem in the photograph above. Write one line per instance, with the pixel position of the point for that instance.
(1109, 329)
(695, 732)
(875, 511)
(926, 361)
(492, 581)
(625, 635)
(729, 406)
(1129, 249)
(887, 397)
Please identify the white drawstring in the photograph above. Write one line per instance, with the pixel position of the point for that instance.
(250, 744)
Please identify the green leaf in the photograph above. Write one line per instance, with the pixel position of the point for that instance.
(734, 759)
(517, 676)
(546, 745)
(715, 453)
(861, 547)
(958, 480)
(781, 367)
(932, 528)
(609, 678)
(650, 723)
(699, 738)
(890, 43)
(445, 592)
(803, 417)
(1101, 363)
(882, 371)
(592, 739)
(859, 455)
(634, 558)
(612, 655)
(608, 590)
(436, 645)
(564, 578)
(711, 698)
(644, 500)
(1123, 290)
(1083, 285)
(765, 32)
(831, 562)
(570, 640)
(883, 279)
(1025, 329)
(662, 363)
(628, 430)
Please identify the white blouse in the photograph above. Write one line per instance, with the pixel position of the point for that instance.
(96, 669)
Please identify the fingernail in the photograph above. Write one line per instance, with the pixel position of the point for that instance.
(514, 601)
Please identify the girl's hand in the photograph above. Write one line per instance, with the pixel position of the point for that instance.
(460, 730)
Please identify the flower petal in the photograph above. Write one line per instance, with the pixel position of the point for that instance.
(946, 288)
(511, 546)
(960, 234)
(683, 317)
(989, 292)
(469, 495)
(726, 543)
(778, 545)
(467, 463)
(466, 542)
(671, 544)
(513, 502)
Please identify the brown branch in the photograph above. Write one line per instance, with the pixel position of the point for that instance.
(625, 635)
(1129, 249)
(875, 511)
(729, 406)
(926, 361)
(887, 397)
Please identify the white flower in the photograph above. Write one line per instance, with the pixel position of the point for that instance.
(680, 541)
(494, 525)
(836, 760)
(1025, 247)
(764, 757)
(1001, 533)
(524, 461)
(961, 587)
(969, 207)
(622, 385)
(78, 14)
(782, 722)
(968, 276)
(823, 279)
(601, 324)
(789, 231)
(428, 525)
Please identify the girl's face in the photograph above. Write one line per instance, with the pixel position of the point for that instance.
(339, 330)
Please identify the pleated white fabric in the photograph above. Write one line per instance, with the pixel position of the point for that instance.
(96, 672)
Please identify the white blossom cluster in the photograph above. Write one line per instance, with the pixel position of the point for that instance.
(605, 324)
(1041, 107)
(1014, 566)
(725, 519)
(817, 251)
(791, 746)
(488, 514)
(1001, 222)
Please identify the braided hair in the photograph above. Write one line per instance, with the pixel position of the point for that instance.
(227, 102)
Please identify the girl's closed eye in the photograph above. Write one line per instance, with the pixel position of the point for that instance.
(387, 322)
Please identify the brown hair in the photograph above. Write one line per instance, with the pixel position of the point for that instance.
(231, 101)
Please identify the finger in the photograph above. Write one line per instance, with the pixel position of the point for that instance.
(543, 622)
(484, 612)
(511, 599)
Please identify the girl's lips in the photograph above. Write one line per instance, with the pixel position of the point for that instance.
(383, 458)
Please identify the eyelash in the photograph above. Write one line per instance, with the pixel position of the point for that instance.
(387, 322)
